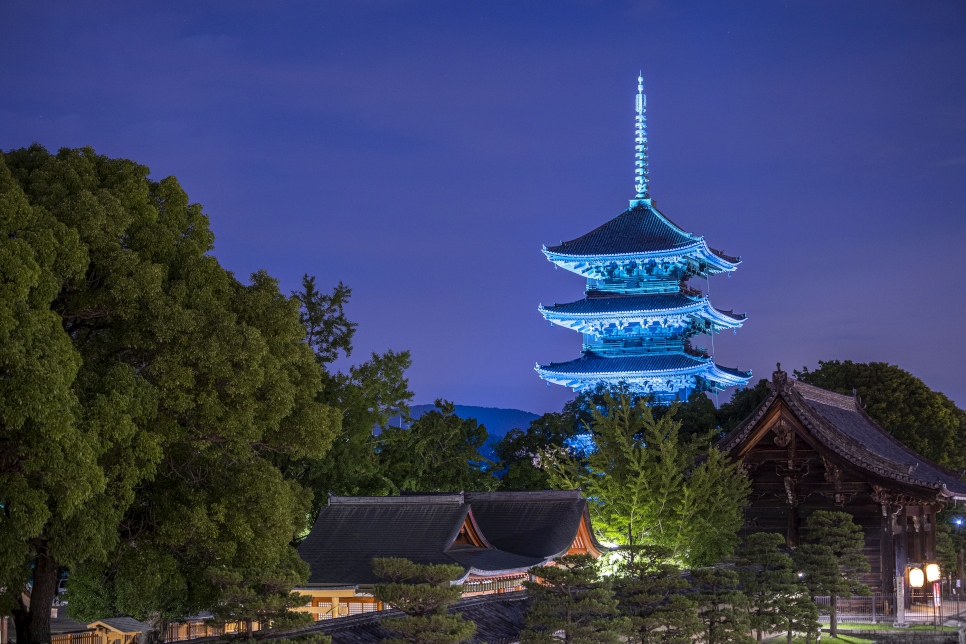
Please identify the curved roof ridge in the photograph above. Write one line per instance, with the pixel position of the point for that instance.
(404, 499)
(527, 495)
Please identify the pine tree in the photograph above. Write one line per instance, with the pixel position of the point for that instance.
(571, 603)
(651, 595)
(722, 608)
(832, 559)
(776, 597)
(422, 593)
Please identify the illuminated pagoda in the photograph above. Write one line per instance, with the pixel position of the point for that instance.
(639, 314)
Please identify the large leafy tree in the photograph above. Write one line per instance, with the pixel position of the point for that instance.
(571, 602)
(439, 452)
(646, 486)
(831, 559)
(188, 384)
(520, 452)
(925, 420)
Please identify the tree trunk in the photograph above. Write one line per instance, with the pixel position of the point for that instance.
(33, 624)
(833, 615)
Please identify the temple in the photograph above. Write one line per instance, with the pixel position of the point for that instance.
(639, 314)
(806, 449)
(496, 537)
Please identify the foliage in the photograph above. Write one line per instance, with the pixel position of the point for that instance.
(519, 452)
(645, 487)
(777, 600)
(925, 420)
(253, 596)
(697, 416)
(831, 558)
(571, 603)
(422, 593)
(741, 405)
(722, 608)
(440, 452)
(651, 594)
(188, 385)
(366, 397)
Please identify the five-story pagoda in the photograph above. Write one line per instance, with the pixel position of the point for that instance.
(639, 313)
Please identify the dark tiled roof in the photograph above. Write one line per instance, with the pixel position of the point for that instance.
(842, 425)
(350, 531)
(637, 229)
(590, 363)
(498, 618)
(536, 524)
(347, 535)
(594, 303)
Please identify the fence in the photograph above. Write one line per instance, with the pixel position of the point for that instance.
(80, 637)
(920, 607)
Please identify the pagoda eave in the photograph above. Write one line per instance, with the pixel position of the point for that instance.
(698, 253)
(588, 322)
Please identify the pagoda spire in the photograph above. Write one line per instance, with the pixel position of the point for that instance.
(641, 178)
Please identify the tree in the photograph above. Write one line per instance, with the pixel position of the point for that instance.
(647, 487)
(832, 559)
(253, 596)
(189, 383)
(366, 397)
(520, 452)
(422, 593)
(571, 603)
(440, 452)
(49, 459)
(697, 415)
(742, 403)
(925, 420)
(776, 598)
(651, 595)
(722, 608)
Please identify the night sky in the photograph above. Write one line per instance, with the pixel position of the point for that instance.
(423, 152)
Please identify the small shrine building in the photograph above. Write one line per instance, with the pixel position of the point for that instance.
(807, 449)
(497, 538)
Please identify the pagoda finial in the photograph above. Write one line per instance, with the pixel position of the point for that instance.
(641, 183)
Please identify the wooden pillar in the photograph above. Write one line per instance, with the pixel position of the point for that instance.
(929, 533)
(887, 555)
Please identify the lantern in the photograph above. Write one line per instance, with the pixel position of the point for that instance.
(932, 572)
(916, 577)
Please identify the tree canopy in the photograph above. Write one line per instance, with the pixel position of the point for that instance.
(925, 420)
(145, 464)
(646, 486)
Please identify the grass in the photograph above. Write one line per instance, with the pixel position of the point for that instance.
(841, 639)
(857, 626)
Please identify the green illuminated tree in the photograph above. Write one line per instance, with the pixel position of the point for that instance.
(573, 604)
(652, 595)
(646, 486)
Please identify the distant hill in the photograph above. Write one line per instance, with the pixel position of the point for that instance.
(496, 420)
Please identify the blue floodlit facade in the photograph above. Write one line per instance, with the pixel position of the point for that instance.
(639, 314)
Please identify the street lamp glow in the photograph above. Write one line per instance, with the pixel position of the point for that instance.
(932, 572)
(916, 577)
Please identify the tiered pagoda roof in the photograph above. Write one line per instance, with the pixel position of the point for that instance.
(638, 313)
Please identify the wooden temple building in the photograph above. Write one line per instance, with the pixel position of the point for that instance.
(497, 537)
(806, 449)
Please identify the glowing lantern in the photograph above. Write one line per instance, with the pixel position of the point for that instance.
(916, 577)
(932, 572)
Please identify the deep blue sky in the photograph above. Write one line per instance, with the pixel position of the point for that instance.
(423, 152)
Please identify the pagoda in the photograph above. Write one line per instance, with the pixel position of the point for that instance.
(639, 313)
